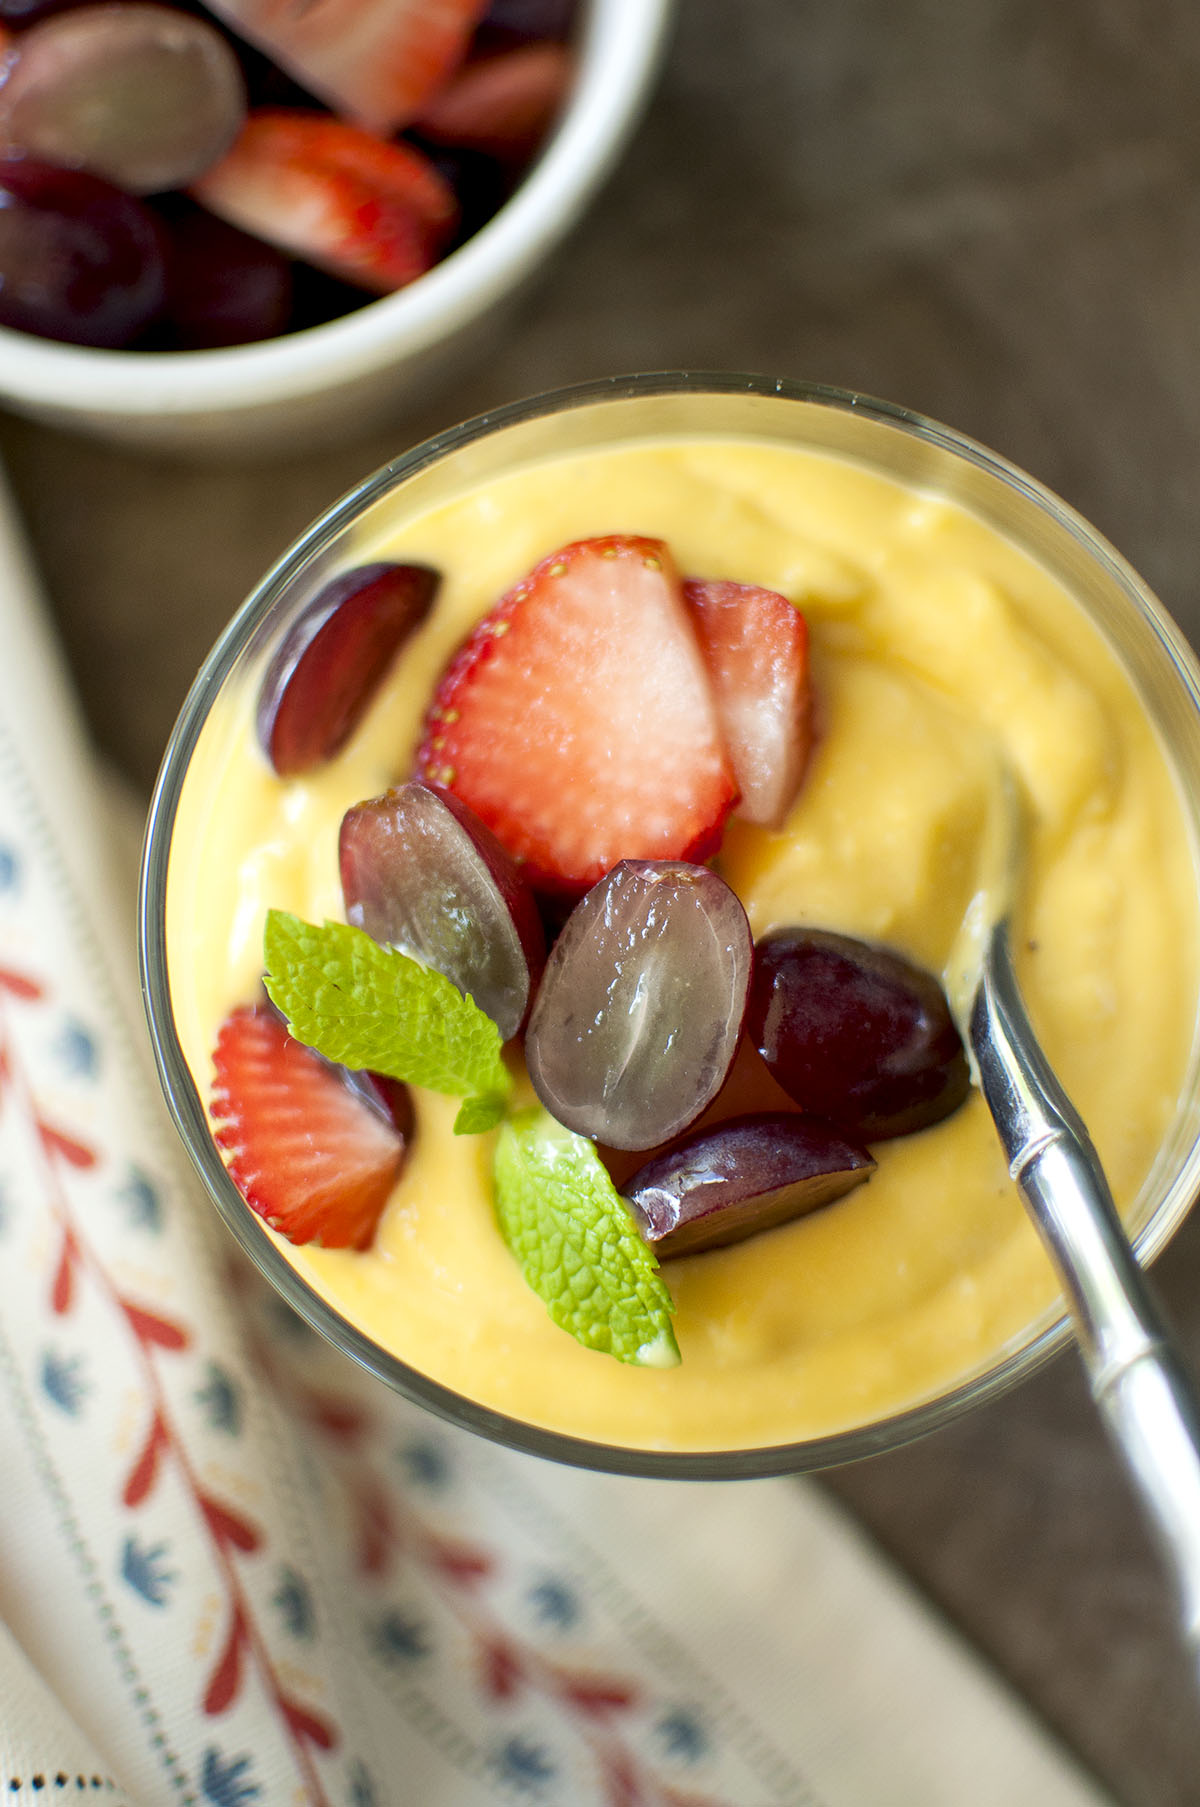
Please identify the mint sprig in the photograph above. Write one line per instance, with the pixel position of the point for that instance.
(365, 1005)
(577, 1243)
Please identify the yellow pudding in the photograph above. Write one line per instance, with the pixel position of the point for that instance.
(935, 644)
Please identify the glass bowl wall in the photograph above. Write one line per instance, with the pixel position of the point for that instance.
(888, 440)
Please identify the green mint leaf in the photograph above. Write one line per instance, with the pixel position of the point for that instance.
(368, 1006)
(577, 1243)
(479, 1113)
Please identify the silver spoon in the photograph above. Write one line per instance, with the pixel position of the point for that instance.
(1134, 1370)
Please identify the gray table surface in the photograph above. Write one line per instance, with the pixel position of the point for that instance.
(989, 211)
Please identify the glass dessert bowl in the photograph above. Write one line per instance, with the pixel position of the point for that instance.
(953, 608)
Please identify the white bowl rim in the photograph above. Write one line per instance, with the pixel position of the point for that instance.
(620, 48)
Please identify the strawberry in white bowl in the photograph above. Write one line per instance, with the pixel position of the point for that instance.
(154, 103)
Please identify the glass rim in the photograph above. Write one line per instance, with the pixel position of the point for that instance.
(187, 1108)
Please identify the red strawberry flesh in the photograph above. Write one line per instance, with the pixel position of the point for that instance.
(578, 722)
(377, 61)
(503, 104)
(373, 213)
(333, 659)
(755, 644)
(306, 1150)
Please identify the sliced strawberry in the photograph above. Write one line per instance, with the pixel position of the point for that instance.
(578, 721)
(303, 1145)
(378, 61)
(755, 643)
(502, 104)
(372, 213)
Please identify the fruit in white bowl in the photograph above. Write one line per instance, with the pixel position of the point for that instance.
(154, 99)
(294, 358)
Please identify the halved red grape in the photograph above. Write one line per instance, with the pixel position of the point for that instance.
(390, 1097)
(224, 287)
(502, 104)
(748, 1091)
(333, 659)
(481, 186)
(855, 1033)
(24, 12)
(79, 260)
(639, 1012)
(721, 1185)
(530, 18)
(144, 95)
(422, 873)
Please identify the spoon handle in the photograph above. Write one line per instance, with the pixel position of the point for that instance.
(1136, 1376)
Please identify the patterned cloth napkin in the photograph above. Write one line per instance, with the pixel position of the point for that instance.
(235, 1572)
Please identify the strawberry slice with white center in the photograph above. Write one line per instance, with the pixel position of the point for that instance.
(305, 1149)
(377, 61)
(372, 213)
(755, 643)
(502, 104)
(578, 720)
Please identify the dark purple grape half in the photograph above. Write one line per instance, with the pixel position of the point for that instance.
(79, 260)
(24, 12)
(224, 287)
(390, 1097)
(334, 657)
(638, 1015)
(721, 1185)
(422, 873)
(530, 18)
(481, 184)
(855, 1033)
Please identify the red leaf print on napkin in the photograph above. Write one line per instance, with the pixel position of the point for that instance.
(229, 1527)
(153, 1330)
(19, 985)
(144, 1472)
(376, 1527)
(459, 1562)
(621, 1783)
(227, 1676)
(595, 1694)
(307, 1724)
(503, 1670)
(336, 1417)
(63, 1290)
(65, 1148)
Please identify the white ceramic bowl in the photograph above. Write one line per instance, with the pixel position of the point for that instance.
(360, 371)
